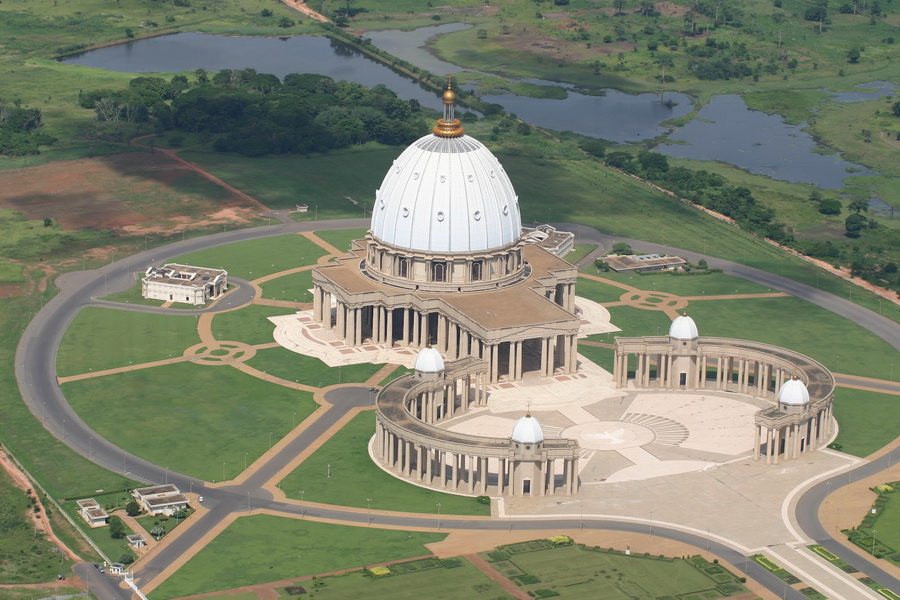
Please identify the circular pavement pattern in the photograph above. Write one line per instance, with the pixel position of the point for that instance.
(609, 435)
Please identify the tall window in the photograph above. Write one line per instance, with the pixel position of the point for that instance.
(404, 268)
(439, 271)
(477, 269)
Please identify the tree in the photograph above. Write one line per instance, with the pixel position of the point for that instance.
(158, 532)
(830, 206)
(621, 248)
(854, 224)
(853, 55)
(859, 204)
(896, 108)
(133, 509)
(815, 196)
(116, 527)
(619, 5)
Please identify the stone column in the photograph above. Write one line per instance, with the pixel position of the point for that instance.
(756, 441)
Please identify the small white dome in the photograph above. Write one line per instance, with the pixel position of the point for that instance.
(793, 393)
(527, 431)
(446, 194)
(683, 328)
(429, 361)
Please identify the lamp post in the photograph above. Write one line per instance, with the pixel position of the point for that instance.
(873, 542)
(369, 509)
(245, 461)
(438, 505)
(328, 471)
(223, 471)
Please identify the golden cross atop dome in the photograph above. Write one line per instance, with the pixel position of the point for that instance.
(449, 126)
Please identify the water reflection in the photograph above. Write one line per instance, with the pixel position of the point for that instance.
(726, 130)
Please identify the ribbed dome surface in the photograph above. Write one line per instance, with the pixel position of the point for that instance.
(429, 361)
(683, 328)
(527, 431)
(793, 393)
(446, 194)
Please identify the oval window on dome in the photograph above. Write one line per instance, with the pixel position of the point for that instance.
(381, 204)
(471, 178)
(405, 211)
(416, 175)
(440, 215)
(506, 209)
(398, 169)
(491, 174)
(443, 178)
(477, 215)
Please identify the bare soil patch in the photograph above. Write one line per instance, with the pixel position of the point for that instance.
(131, 193)
(10, 291)
(670, 9)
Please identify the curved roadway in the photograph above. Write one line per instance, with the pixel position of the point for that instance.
(36, 374)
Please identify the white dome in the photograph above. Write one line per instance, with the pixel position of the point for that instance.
(683, 328)
(446, 194)
(429, 361)
(793, 393)
(527, 431)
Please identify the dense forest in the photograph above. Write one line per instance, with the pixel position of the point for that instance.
(256, 114)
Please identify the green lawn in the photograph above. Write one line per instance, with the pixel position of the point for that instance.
(227, 414)
(321, 182)
(249, 324)
(255, 258)
(341, 238)
(148, 522)
(430, 580)
(598, 291)
(294, 287)
(711, 284)
(868, 421)
(354, 477)
(264, 548)
(11, 272)
(575, 573)
(283, 363)
(103, 338)
(836, 342)
(579, 252)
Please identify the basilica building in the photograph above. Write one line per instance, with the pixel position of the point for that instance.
(447, 263)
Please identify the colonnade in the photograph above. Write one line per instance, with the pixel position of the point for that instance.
(412, 327)
(656, 366)
(742, 366)
(408, 443)
(790, 440)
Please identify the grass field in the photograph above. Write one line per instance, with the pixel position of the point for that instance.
(270, 548)
(791, 323)
(255, 258)
(575, 573)
(103, 338)
(354, 478)
(283, 363)
(341, 238)
(26, 559)
(321, 182)
(294, 287)
(249, 325)
(429, 579)
(230, 415)
(868, 421)
(710, 284)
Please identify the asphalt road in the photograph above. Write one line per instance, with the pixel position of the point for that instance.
(36, 374)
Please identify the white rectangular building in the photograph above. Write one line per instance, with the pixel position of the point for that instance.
(184, 283)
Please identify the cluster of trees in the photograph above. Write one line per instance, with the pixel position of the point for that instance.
(20, 133)
(256, 114)
(706, 189)
(719, 60)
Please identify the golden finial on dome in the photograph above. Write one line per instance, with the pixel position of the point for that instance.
(449, 126)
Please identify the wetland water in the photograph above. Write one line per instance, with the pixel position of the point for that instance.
(724, 130)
